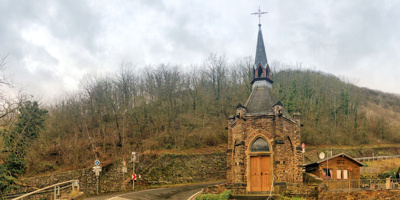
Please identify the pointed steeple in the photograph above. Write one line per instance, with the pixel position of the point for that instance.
(261, 56)
(261, 71)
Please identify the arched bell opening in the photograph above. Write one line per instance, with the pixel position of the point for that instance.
(259, 72)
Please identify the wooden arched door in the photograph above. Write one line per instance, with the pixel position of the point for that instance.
(260, 167)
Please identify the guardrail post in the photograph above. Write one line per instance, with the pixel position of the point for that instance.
(55, 194)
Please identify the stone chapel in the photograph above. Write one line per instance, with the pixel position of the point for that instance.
(264, 150)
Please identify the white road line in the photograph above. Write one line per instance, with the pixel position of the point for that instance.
(118, 198)
(121, 198)
(197, 193)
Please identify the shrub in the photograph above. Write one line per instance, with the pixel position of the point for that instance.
(222, 196)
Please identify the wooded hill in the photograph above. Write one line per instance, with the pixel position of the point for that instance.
(168, 107)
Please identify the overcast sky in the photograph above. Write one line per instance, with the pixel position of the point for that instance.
(51, 45)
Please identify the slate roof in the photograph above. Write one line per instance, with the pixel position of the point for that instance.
(261, 100)
(261, 56)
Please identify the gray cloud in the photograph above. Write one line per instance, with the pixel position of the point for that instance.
(52, 44)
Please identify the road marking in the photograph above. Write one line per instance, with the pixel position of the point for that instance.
(197, 193)
(121, 198)
(118, 198)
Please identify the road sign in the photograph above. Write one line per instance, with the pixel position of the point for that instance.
(135, 157)
(124, 169)
(303, 147)
(97, 170)
(124, 163)
(133, 176)
(97, 162)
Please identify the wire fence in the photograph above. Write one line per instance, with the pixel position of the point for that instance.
(362, 184)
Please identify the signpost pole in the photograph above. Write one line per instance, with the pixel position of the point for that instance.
(97, 170)
(97, 185)
(133, 181)
(124, 170)
(135, 159)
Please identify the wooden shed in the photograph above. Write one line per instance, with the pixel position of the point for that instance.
(337, 167)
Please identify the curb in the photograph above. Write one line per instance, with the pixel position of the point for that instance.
(193, 197)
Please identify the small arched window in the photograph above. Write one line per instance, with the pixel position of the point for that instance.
(260, 71)
(260, 145)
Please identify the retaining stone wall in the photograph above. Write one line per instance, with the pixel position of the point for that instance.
(154, 170)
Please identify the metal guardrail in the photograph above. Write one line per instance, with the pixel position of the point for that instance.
(373, 158)
(57, 188)
(362, 184)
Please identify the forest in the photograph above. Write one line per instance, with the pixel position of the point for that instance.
(175, 107)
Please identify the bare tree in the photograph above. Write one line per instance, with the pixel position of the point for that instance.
(8, 94)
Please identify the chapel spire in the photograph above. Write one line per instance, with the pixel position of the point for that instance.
(261, 69)
(261, 56)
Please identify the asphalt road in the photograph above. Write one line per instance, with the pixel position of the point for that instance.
(172, 193)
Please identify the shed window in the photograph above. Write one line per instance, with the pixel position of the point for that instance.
(338, 174)
(345, 174)
(327, 173)
(260, 145)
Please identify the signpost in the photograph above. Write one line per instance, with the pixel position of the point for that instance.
(134, 159)
(124, 170)
(97, 170)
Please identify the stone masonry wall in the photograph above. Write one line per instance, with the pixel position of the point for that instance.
(283, 135)
(154, 170)
(355, 195)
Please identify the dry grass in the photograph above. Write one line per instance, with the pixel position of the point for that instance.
(204, 150)
(385, 165)
(366, 146)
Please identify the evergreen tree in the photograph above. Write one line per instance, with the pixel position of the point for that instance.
(29, 124)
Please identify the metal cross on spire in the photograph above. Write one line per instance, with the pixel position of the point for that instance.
(259, 13)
